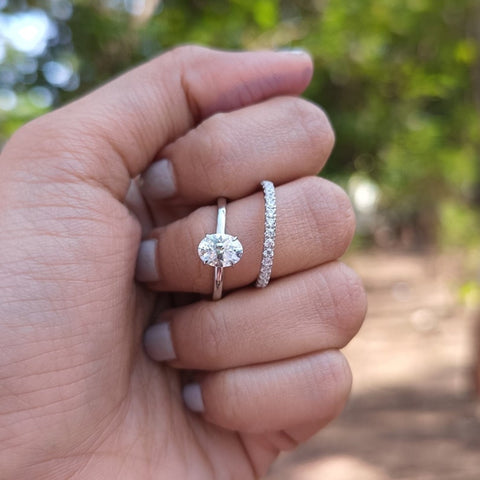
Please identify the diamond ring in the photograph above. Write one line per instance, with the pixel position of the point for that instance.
(219, 249)
(269, 235)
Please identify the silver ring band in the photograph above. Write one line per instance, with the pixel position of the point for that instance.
(269, 235)
(221, 223)
(219, 249)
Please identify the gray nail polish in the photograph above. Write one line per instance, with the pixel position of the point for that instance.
(146, 268)
(158, 181)
(158, 342)
(192, 396)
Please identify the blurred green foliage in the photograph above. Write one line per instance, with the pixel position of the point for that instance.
(400, 80)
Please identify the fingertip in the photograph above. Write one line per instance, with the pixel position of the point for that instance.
(193, 398)
(299, 58)
(158, 342)
(158, 181)
(303, 58)
(146, 267)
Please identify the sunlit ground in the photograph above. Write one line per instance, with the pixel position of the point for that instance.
(412, 414)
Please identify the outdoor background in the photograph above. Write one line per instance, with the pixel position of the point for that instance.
(400, 80)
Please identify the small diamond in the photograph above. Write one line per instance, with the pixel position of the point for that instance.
(220, 250)
(267, 262)
(269, 243)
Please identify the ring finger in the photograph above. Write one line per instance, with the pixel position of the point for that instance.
(315, 224)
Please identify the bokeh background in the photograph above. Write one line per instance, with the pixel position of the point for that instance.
(400, 80)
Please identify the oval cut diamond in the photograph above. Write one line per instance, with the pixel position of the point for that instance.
(220, 250)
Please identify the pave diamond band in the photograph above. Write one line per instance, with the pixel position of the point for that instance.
(269, 236)
(220, 250)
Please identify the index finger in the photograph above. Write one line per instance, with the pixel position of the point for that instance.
(113, 134)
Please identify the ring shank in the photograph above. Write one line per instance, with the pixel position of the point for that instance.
(221, 215)
(218, 283)
(221, 225)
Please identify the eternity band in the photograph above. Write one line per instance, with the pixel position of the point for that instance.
(269, 236)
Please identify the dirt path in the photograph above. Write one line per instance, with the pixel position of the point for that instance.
(411, 416)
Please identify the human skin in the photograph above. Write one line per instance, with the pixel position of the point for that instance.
(79, 396)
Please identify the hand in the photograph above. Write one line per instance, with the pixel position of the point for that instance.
(79, 397)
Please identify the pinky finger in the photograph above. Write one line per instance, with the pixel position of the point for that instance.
(274, 396)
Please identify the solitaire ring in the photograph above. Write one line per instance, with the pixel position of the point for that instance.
(219, 249)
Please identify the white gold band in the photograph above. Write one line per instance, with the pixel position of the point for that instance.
(221, 222)
(269, 236)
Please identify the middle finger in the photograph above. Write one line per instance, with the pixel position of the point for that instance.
(227, 155)
(316, 310)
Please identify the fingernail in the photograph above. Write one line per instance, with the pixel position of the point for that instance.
(158, 342)
(294, 51)
(159, 181)
(146, 268)
(192, 396)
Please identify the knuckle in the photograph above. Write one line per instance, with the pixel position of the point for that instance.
(345, 211)
(336, 378)
(315, 197)
(358, 296)
(227, 396)
(340, 373)
(328, 203)
(186, 62)
(351, 301)
(312, 194)
(328, 378)
(315, 123)
(214, 147)
(186, 52)
(338, 302)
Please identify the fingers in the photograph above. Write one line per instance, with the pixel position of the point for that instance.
(315, 224)
(112, 134)
(273, 396)
(281, 139)
(324, 307)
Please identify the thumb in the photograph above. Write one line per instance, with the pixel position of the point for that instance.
(113, 134)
